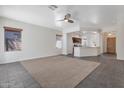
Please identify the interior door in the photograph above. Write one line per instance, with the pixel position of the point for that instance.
(111, 45)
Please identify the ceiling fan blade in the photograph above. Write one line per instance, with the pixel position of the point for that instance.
(61, 20)
(70, 21)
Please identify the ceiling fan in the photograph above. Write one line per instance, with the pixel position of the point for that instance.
(67, 18)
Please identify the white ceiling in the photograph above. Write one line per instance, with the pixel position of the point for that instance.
(85, 15)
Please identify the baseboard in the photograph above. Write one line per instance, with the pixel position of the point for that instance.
(25, 59)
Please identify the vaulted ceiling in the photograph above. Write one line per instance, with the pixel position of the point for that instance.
(85, 15)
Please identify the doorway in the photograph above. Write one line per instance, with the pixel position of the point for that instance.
(111, 45)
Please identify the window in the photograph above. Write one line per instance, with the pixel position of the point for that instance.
(12, 39)
(59, 41)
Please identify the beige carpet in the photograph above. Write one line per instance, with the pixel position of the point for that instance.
(59, 71)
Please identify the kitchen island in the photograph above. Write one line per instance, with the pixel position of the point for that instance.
(86, 51)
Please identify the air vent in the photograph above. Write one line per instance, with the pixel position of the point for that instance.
(53, 7)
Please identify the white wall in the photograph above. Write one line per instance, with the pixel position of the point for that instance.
(120, 44)
(120, 37)
(69, 43)
(37, 41)
(72, 27)
(64, 44)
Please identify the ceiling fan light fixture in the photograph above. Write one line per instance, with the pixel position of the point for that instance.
(66, 20)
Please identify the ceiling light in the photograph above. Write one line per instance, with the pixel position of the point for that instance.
(94, 32)
(66, 20)
(109, 34)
